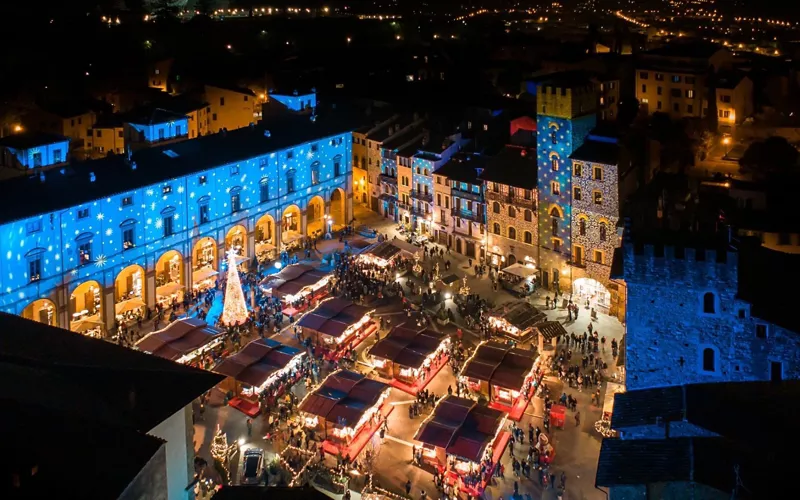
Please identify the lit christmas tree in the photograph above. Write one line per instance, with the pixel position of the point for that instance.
(234, 311)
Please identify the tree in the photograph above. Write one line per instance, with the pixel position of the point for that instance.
(234, 311)
(773, 155)
(205, 7)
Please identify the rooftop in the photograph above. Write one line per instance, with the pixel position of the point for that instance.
(513, 166)
(113, 175)
(692, 49)
(606, 153)
(728, 79)
(232, 87)
(464, 167)
(28, 140)
(152, 116)
(568, 79)
(758, 266)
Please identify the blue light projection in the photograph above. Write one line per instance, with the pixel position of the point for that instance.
(42, 254)
(42, 155)
(154, 132)
(296, 102)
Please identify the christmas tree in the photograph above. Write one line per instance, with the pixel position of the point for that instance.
(221, 452)
(234, 311)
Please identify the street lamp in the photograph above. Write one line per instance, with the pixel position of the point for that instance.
(726, 142)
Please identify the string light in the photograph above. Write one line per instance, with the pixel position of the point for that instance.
(234, 310)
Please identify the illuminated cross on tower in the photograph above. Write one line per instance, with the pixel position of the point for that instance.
(234, 311)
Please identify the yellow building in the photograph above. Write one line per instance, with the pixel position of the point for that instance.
(67, 119)
(360, 179)
(734, 94)
(107, 136)
(672, 79)
(231, 107)
(458, 211)
(608, 105)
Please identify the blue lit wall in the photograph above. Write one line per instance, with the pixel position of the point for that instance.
(296, 102)
(53, 237)
(50, 154)
(163, 131)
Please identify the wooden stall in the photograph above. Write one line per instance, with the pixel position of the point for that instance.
(337, 325)
(297, 286)
(515, 320)
(184, 341)
(410, 356)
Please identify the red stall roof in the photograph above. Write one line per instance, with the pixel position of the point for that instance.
(291, 279)
(179, 338)
(343, 398)
(258, 360)
(500, 364)
(408, 346)
(461, 427)
(333, 316)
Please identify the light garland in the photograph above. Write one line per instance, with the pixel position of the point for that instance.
(603, 426)
(222, 452)
(417, 269)
(234, 310)
(464, 290)
(296, 474)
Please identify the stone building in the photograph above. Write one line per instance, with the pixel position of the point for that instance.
(375, 153)
(696, 316)
(459, 218)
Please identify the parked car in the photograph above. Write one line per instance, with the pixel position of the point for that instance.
(253, 466)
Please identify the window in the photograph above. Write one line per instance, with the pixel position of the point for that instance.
(289, 155)
(512, 233)
(221, 101)
(554, 163)
(528, 216)
(512, 212)
(644, 88)
(761, 331)
(689, 80)
(603, 231)
(577, 169)
(676, 79)
(528, 237)
(234, 170)
(236, 199)
(597, 173)
(168, 221)
(709, 303)
(690, 94)
(658, 105)
(205, 213)
(725, 98)
(724, 113)
(689, 108)
(337, 166)
(554, 227)
(128, 234)
(166, 189)
(675, 92)
(263, 190)
(214, 117)
(202, 180)
(582, 227)
(33, 226)
(556, 245)
(555, 187)
(658, 91)
(775, 371)
(496, 207)
(57, 156)
(576, 194)
(290, 181)
(496, 228)
(314, 148)
(127, 201)
(554, 136)
(598, 256)
(83, 213)
(315, 173)
(84, 243)
(643, 75)
(597, 196)
(709, 360)
(676, 107)
(35, 264)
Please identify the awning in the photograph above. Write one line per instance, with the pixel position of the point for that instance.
(203, 274)
(179, 338)
(500, 364)
(168, 289)
(334, 316)
(129, 305)
(85, 325)
(520, 270)
(258, 360)
(408, 346)
(343, 397)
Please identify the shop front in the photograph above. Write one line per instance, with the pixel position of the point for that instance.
(42, 310)
(170, 284)
(291, 228)
(204, 264)
(410, 356)
(265, 239)
(337, 326)
(129, 303)
(297, 286)
(86, 307)
(515, 320)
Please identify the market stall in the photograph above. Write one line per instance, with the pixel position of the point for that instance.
(297, 286)
(547, 335)
(204, 278)
(506, 376)
(337, 325)
(345, 410)
(382, 254)
(464, 441)
(518, 278)
(185, 341)
(410, 356)
(264, 369)
(603, 426)
(515, 319)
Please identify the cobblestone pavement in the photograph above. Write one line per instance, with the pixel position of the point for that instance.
(577, 447)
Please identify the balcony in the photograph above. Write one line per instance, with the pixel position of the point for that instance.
(388, 179)
(422, 195)
(510, 199)
(467, 215)
(469, 195)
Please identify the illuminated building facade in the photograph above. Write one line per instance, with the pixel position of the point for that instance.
(231, 107)
(107, 238)
(459, 217)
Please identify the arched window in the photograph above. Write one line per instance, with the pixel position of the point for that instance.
(554, 163)
(709, 303)
(290, 181)
(603, 231)
(496, 228)
(528, 238)
(709, 360)
(554, 136)
(263, 190)
(337, 165)
(555, 212)
(128, 228)
(315, 173)
(236, 199)
(512, 212)
(496, 207)
(528, 216)
(167, 221)
(554, 226)
(84, 247)
(582, 227)
(512, 233)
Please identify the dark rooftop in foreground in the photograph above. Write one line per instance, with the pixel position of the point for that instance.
(27, 140)
(513, 166)
(114, 175)
(592, 151)
(464, 167)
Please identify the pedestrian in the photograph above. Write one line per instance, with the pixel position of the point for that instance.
(563, 480)
(249, 427)
(578, 419)
(408, 487)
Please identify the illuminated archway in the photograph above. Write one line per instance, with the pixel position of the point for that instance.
(42, 311)
(236, 240)
(265, 238)
(86, 309)
(170, 281)
(315, 217)
(338, 208)
(291, 225)
(129, 298)
(204, 262)
(596, 293)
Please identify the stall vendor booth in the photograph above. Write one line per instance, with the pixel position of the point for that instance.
(547, 334)
(297, 286)
(518, 278)
(264, 369)
(506, 376)
(603, 426)
(515, 320)
(384, 253)
(464, 441)
(410, 356)
(337, 325)
(345, 410)
(185, 341)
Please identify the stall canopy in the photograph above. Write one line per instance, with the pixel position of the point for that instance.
(343, 398)
(461, 427)
(519, 314)
(550, 330)
(383, 251)
(408, 346)
(261, 358)
(292, 279)
(333, 317)
(520, 270)
(179, 338)
(500, 364)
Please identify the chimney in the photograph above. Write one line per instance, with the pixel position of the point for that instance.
(92, 177)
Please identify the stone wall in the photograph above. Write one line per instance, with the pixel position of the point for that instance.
(670, 329)
(151, 482)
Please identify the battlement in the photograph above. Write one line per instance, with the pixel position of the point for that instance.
(653, 263)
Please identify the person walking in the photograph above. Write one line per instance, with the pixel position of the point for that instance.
(577, 419)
